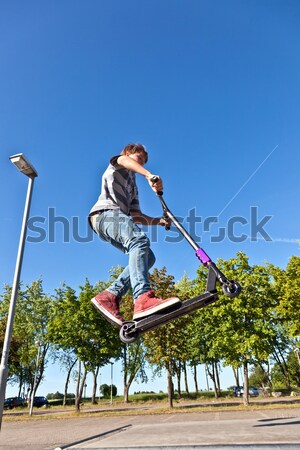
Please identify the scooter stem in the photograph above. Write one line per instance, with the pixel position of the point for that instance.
(200, 253)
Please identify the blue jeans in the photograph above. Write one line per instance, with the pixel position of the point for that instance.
(119, 229)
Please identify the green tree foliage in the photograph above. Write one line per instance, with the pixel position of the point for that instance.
(168, 344)
(75, 325)
(238, 330)
(292, 368)
(56, 396)
(287, 291)
(16, 339)
(287, 286)
(33, 309)
(108, 390)
(132, 356)
(260, 376)
(259, 327)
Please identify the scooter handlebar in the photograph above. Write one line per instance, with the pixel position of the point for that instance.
(154, 179)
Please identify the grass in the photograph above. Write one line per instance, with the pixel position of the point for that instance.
(149, 404)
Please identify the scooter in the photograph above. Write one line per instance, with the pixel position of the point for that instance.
(131, 330)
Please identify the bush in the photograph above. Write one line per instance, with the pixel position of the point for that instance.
(56, 396)
(147, 396)
(59, 402)
(105, 390)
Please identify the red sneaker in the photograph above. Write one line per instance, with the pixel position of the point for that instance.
(147, 304)
(108, 305)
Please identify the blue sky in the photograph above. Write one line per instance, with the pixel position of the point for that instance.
(210, 87)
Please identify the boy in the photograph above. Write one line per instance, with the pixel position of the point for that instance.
(114, 218)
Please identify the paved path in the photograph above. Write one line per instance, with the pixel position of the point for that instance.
(276, 427)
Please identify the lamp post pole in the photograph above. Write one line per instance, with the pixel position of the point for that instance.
(25, 167)
(111, 382)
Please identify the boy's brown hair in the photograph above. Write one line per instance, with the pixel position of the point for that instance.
(135, 148)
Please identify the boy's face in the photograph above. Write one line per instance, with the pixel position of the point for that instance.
(138, 157)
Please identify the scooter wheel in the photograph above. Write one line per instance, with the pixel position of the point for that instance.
(125, 336)
(231, 289)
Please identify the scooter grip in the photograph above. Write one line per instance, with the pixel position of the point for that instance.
(154, 180)
(167, 227)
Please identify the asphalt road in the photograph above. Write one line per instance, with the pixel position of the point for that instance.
(275, 428)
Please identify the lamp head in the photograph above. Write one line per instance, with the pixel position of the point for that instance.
(23, 165)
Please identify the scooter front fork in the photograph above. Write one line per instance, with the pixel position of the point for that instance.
(230, 287)
(206, 261)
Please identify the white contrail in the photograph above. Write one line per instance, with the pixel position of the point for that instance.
(284, 240)
(248, 179)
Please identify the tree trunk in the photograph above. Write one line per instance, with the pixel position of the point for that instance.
(42, 361)
(94, 393)
(128, 383)
(77, 401)
(126, 393)
(218, 380)
(206, 377)
(282, 365)
(267, 374)
(178, 374)
(214, 379)
(236, 376)
(296, 351)
(80, 390)
(20, 382)
(128, 377)
(286, 371)
(212, 376)
(185, 379)
(195, 379)
(67, 382)
(170, 385)
(246, 384)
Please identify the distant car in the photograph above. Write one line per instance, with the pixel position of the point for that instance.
(253, 391)
(40, 401)
(238, 391)
(13, 402)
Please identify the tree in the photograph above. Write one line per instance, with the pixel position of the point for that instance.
(291, 368)
(287, 292)
(133, 355)
(33, 308)
(260, 376)
(166, 345)
(202, 330)
(67, 360)
(76, 326)
(16, 372)
(287, 289)
(106, 390)
(239, 328)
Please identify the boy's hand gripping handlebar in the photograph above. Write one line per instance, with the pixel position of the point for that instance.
(165, 215)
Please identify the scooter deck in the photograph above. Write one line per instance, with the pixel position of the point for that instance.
(132, 329)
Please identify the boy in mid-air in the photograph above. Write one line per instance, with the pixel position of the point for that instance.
(114, 218)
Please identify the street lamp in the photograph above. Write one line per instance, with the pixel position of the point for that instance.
(99, 385)
(111, 382)
(25, 167)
